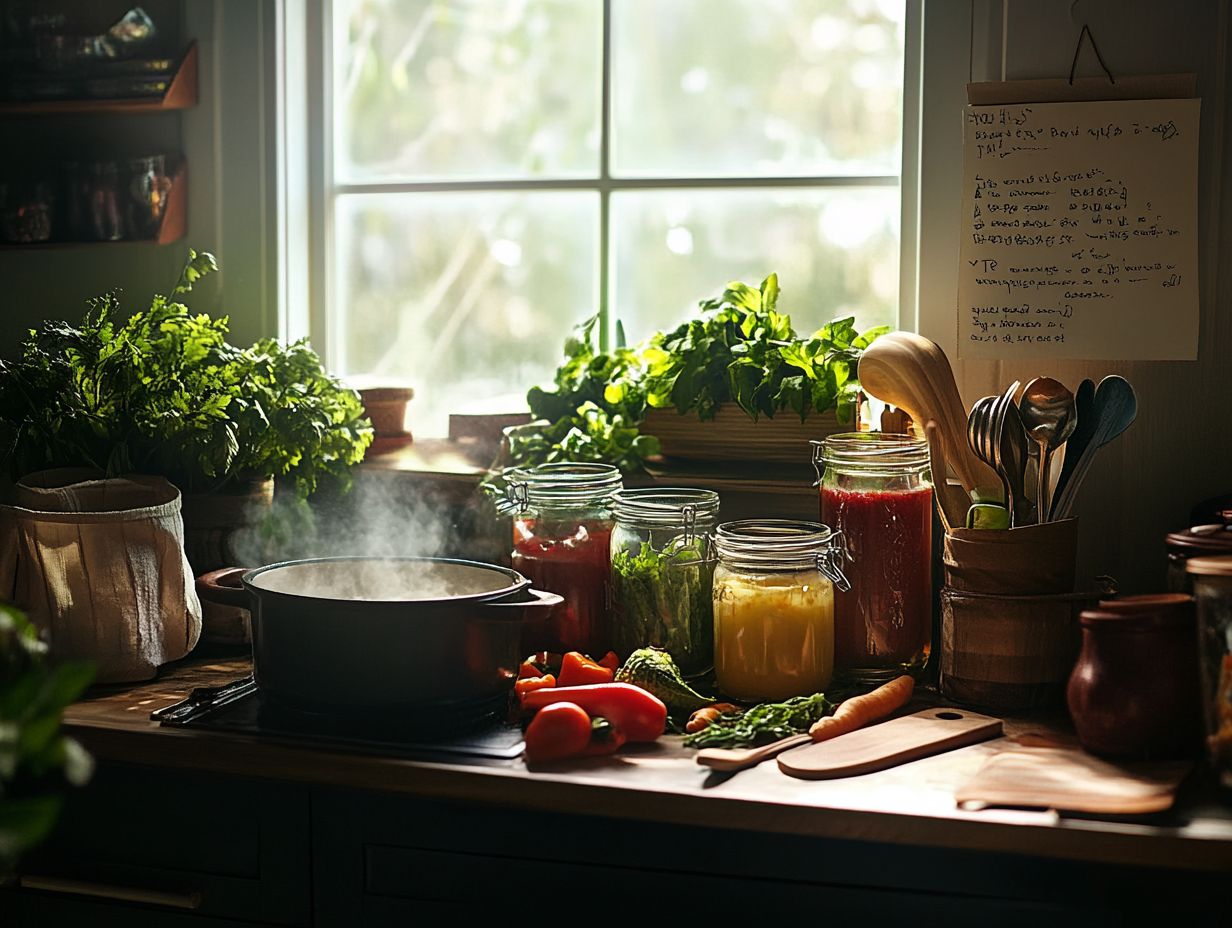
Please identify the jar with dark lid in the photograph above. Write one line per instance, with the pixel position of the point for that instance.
(1134, 692)
(562, 529)
(1209, 540)
(662, 573)
(1212, 582)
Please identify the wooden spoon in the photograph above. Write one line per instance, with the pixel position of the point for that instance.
(952, 503)
(912, 373)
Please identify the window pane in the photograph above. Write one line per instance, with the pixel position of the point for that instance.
(425, 89)
(757, 87)
(835, 251)
(466, 295)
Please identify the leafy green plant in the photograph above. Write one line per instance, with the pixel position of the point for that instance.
(37, 761)
(739, 349)
(161, 391)
(742, 349)
(592, 409)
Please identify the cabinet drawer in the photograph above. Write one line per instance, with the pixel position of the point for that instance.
(390, 860)
(179, 843)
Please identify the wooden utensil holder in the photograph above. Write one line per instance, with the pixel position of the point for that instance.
(1009, 631)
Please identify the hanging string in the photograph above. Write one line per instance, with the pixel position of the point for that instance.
(1086, 33)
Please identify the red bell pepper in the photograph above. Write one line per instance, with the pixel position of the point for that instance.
(561, 730)
(576, 669)
(610, 661)
(528, 670)
(605, 738)
(638, 714)
(528, 685)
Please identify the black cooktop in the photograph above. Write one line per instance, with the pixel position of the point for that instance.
(475, 730)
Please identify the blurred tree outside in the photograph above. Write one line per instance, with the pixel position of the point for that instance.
(468, 291)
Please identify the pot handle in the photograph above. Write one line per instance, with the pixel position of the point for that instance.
(223, 586)
(539, 599)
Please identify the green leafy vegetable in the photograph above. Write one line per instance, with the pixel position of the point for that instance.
(162, 392)
(742, 349)
(592, 409)
(36, 760)
(762, 724)
(739, 349)
(664, 600)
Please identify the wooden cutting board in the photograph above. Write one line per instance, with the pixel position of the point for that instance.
(1069, 779)
(889, 744)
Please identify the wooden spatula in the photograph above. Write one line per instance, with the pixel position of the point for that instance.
(891, 743)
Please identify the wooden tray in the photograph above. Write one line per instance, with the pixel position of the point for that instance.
(733, 436)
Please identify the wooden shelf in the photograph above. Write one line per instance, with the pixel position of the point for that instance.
(180, 95)
(173, 228)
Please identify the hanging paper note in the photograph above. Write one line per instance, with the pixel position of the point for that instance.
(1080, 231)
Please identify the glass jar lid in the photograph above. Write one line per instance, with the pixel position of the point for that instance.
(872, 452)
(1210, 566)
(1201, 539)
(666, 507)
(561, 485)
(783, 544)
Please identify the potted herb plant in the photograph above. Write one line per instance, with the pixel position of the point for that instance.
(162, 392)
(733, 383)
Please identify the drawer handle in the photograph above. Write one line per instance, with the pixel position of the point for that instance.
(55, 884)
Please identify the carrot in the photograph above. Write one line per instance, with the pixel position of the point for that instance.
(707, 714)
(858, 711)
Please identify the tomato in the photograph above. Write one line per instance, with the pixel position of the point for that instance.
(557, 731)
(576, 669)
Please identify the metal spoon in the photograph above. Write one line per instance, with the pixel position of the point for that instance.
(979, 427)
(1049, 416)
(1008, 447)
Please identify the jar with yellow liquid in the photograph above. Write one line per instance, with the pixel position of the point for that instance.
(774, 607)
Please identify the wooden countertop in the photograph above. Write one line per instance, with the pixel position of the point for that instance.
(912, 804)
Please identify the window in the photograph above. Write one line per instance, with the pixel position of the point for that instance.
(500, 170)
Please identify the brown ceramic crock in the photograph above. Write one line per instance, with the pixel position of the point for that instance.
(1135, 692)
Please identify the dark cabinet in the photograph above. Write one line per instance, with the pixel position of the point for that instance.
(172, 849)
(165, 847)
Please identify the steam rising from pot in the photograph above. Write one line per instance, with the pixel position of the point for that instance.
(383, 516)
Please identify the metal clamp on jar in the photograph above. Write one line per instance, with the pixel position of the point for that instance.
(774, 607)
(662, 574)
(562, 529)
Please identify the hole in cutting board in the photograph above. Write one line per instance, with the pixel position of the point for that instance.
(949, 715)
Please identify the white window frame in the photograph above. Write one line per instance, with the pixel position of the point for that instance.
(309, 175)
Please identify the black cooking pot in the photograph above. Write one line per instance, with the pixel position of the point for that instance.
(368, 634)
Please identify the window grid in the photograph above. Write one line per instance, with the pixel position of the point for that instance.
(604, 185)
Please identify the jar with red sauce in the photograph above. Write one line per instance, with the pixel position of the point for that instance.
(562, 530)
(876, 489)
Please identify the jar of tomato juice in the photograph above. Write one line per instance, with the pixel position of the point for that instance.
(876, 489)
(562, 529)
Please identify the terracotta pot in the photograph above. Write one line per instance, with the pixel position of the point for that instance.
(1135, 691)
(386, 407)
